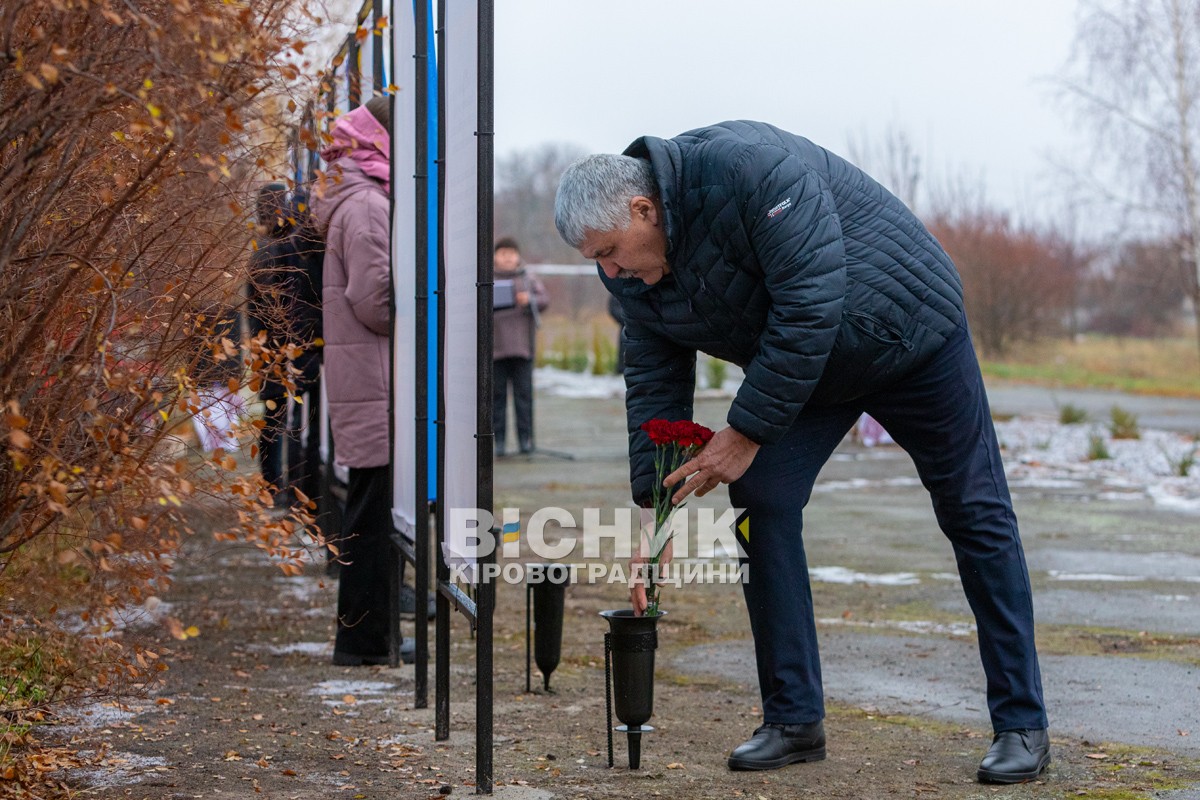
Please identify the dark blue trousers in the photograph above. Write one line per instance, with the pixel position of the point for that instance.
(939, 414)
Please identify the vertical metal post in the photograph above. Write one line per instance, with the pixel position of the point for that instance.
(395, 559)
(484, 678)
(353, 77)
(377, 51)
(421, 379)
(528, 636)
(442, 655)
(608, 693)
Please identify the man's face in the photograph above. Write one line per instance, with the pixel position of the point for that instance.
(639, 251)
(506, 259)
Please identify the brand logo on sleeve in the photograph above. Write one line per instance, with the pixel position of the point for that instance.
(779, 208)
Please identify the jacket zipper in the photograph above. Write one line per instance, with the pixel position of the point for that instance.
(856, 317)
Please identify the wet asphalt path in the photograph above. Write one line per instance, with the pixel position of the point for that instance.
(1096, 563)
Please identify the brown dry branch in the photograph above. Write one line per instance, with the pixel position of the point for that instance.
(133, 135)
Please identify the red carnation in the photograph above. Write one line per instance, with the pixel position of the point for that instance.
(687, 434)
(659, 431)
(674, 443)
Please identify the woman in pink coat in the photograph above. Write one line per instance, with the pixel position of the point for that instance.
(351, 206)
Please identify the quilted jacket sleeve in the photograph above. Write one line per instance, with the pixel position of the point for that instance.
(368, 273)
(660, 383)
(796, 237)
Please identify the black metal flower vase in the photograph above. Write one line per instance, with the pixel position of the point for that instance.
(548, 586)
(629, 649)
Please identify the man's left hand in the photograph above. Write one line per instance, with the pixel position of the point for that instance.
(724, 459)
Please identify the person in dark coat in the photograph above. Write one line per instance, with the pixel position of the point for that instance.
(284, 303)
(266, 316)
(514, 325)
(300, 284)
(758, 247)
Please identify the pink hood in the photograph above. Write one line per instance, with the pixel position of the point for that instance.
(359, 136)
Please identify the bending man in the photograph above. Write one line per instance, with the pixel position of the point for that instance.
(758, 247)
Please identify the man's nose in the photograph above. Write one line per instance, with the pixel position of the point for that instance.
(610, 268)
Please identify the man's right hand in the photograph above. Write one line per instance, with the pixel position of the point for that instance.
(724, 459)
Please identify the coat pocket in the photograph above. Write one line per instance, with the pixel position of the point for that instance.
(868, 354)
(877, 329)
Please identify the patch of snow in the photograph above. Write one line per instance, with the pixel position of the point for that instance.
(117, 769)
(1042, 453)
(1175, 495)
(1101, 577)
(847, 576)
(1031, 482)
(305, 648)
(356, 688)
(150, 613)
(577, 385)
(95, 716)
(908, 626)
(199, 577)
(305, 588)
(394, 739)
(864, 483)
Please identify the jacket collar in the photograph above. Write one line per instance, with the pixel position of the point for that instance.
(667, 162)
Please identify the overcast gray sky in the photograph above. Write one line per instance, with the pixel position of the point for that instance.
(966, 79)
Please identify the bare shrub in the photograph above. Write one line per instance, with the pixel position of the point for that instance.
(132, 134)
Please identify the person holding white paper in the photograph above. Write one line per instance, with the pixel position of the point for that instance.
(519, 296)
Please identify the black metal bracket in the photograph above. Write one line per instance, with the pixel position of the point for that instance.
(608, 694)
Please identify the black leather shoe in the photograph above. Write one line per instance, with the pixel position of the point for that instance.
(774, 746)
(1015, 757)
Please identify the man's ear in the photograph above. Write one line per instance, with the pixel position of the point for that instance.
(643, 208)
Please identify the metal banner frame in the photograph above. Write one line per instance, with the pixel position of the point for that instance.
(447, 247)
(465, 440)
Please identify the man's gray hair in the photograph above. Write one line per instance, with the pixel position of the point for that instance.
(594, 195)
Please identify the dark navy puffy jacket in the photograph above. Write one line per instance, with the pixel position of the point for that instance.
(788, 261)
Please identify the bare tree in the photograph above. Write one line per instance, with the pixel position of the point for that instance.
(893, 162)
(134, 136)
(526, 182)
(1135, 74)
(1138, 294)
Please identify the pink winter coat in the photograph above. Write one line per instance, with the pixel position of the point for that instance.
(351, 207)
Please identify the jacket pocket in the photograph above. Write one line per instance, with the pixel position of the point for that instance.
(878, 330)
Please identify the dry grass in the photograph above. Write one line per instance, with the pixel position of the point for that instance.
(1143, 366)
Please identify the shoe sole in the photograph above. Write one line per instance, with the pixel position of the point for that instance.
(347, 660)
(986, 776)
(744, 765)
(355, 661)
